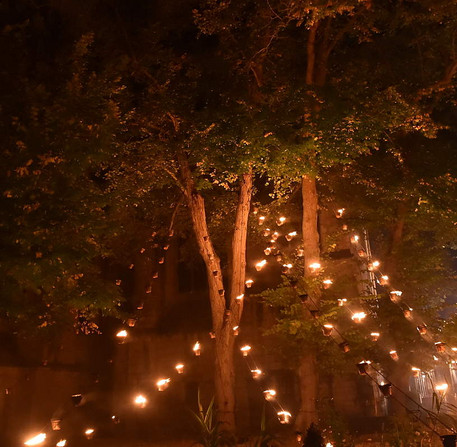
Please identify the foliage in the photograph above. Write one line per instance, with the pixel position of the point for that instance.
(313, 437)
(210, 434)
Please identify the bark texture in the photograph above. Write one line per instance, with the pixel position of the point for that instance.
(226, 311)
(307, 371)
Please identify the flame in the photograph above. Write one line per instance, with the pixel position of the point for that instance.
(284, 417)
(358, 317)
(162, 384)
(36, 440)
(140, 400)
(269, 394)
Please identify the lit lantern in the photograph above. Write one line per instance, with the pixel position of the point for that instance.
(212, 335)
(118, 282)
(162, 384)
(61, 443)
(36, 440)
(131, 266)
(407, 312)
(454, 349)
(300, 252)
(248, 283)
(166, 247)
(363, 367)
(266, 232)
(440, 346)
(256, 373)
(267, 251)
(422, 328)
(384, 280)
(76, 399)
(395, 295)
(314, 266)
(386, 389)
(415, 371)
(344, 346)
(354, 238)
(274, 236)
(89, 432)
(442, 388)
(278, 257)
(286, 268)
(327, 283)
(197, 348)
(131, 322)
(245, 350)
(339, 213)
(328, 444)
(358, 317)
(261, 220)
(373, 265)
(284, 417)
(327, 329)
(236, 330)
(260, 265)
(342, 302)
(140, 401)
(291, 235)
(161, 260)
(269, 394)
(140, 306)
(393, 354)
(155, 275)
(362, 253)
(240, 297)
(374, 336)
(344, 227)
(179, 368)
(121, 336)
(55, 424)
(280, 221)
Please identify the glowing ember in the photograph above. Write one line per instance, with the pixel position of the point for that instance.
(358, 317)
(280, 220)
(260, 265)
(179, 368)
(140, 400)
(162, 384)
(197, 348)
(291, 235)
(36, 440)
(284, 417)
(245, 350)
(62, 443)
(269, 394)
(248, 283)
(256, 373)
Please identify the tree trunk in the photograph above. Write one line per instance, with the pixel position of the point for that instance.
(226, 313)
(311, 252)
